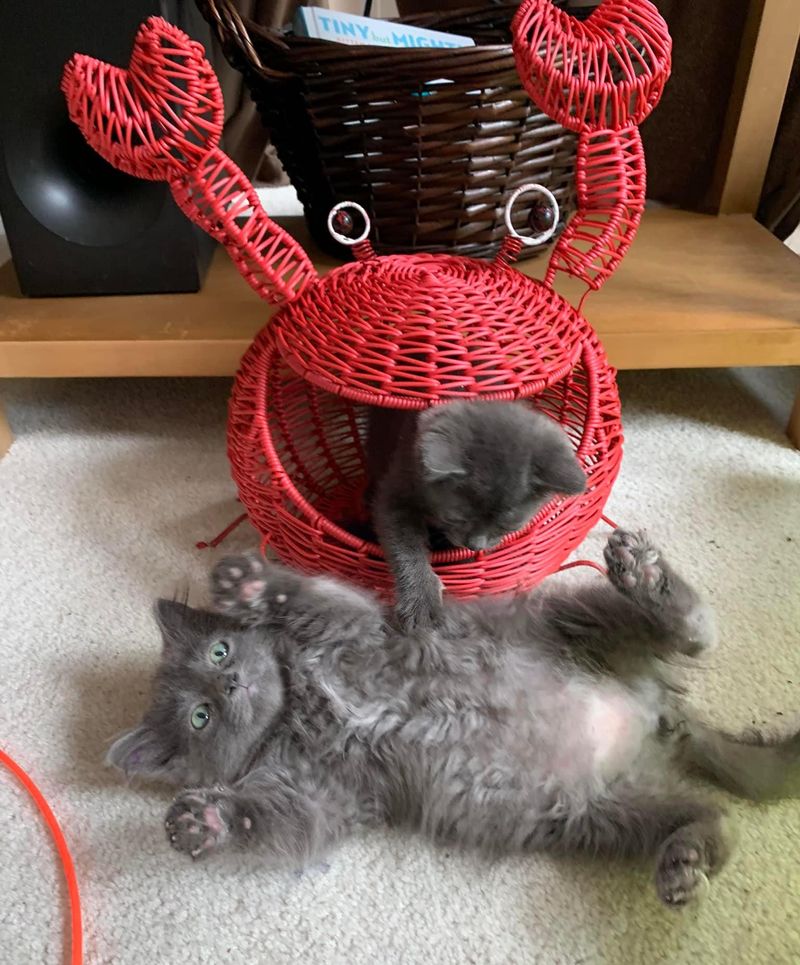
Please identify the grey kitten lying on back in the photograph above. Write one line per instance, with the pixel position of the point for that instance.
(548, 721)
(474, 471)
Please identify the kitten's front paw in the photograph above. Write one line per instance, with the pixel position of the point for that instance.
(638, 569)
(634, 564)
(238, 586)
(421, 610)
(195, 823)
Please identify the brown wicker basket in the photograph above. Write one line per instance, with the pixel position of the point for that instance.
(432, 165)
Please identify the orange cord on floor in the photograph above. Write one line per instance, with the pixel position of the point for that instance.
(76, 932)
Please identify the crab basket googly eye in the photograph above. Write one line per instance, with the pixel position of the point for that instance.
(543, 216)
(342, 225)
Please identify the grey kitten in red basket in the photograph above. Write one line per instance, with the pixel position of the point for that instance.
(472, 471)
(547, 721)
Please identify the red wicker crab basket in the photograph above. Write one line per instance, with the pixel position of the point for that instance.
(405, 331)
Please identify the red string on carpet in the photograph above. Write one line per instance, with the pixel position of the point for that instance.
(76, 932)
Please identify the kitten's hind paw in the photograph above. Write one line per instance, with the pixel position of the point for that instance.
(238, 586)
(195, 824)
(682, 874)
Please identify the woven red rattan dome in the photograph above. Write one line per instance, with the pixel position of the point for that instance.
(298, 460)
(404, 331)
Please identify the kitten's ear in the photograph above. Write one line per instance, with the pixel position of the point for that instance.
(180, 623)
(561, 472)
(441, 456)
(140, 751)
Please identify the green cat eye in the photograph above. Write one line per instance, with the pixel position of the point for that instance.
(201, 715)
(219, 651)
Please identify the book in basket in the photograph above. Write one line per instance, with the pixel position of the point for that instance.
(347, 28)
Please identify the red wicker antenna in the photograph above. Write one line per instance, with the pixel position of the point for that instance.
(401, 331)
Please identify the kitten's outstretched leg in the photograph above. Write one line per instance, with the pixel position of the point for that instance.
(687, 836)
(293, 822)
(646, 604)
(755, 766)
(252, 591)
(403, 535)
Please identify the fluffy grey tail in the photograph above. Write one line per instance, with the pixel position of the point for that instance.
(750, 765)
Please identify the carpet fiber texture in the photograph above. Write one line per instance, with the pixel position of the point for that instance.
(102, 498)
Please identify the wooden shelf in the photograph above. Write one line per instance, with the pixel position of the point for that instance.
(695, 290)
(698, 290)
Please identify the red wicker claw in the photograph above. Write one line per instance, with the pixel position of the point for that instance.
(600, 77)
(158, 118)
(161, 119)
(605, 72)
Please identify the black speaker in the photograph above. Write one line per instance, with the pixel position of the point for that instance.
(75, 225)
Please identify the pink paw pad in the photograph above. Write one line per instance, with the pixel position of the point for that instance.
(625, 556)
(252, 590)
(213, 820)
(651, 575)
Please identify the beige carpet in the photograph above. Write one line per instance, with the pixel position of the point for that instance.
(102, 498)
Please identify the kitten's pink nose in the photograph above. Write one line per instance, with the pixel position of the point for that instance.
(234, 682)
